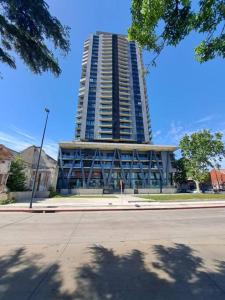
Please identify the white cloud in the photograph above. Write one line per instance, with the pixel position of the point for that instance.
(22, 133)
(157, 133)
(176, 132)
(204, 119)
(13, 142)
(51, 148)
(177, 129)
(18, 140)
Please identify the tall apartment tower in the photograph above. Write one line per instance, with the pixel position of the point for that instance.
(112, 102)
(113, 149)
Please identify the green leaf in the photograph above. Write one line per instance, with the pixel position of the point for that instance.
(27, 27)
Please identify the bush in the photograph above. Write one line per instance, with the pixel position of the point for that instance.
(17, 178)
(7, 201)
(52, 192)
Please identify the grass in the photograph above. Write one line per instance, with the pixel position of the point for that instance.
(180, 197)
(84, 196)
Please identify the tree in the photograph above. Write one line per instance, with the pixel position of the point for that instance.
(17, 178)
(26, 26)
(201, 150)
(180, 175)
(160, 23)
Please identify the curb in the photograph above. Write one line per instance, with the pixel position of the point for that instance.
(50, 210)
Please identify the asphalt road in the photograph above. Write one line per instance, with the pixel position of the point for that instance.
(177, 254)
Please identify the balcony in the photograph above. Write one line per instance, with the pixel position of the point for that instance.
(124, 91)
(125, 126)
(124, 69)
(124, 113)
(106, 71)
(124, 73)
(107, 124)
(106, 77)
(124, 98)
(125, 130)
(105, 130)
(125, 119)
(106, 55)
(106, 105)
(106, 80)
(124, 109)
(107, 46)
(104, 112)
(105, 117)
(107, 61)
(106, 96)
(106, 88)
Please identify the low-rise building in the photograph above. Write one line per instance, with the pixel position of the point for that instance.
(87, 167)
(218, 179)
(5, 162)
(47, 173)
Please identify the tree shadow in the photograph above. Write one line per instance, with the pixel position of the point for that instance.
(168, 273)
(177, 273)
(21, 277)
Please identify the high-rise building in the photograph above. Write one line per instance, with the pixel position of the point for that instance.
(112, 102)
(113, 143)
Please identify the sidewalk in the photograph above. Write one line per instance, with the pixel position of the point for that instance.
(120, 202)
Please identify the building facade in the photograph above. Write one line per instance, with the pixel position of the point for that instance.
(48, 170)
(5, 162)
(218, 179)
(112, 101)
(89, 165)
(113, 139)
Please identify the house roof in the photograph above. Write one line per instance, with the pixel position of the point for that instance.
(5, 154)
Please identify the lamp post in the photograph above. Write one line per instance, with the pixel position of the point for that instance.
(39, 157)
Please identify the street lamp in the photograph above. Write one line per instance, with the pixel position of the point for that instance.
(39, 157)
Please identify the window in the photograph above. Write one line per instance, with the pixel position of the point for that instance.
(104, 135)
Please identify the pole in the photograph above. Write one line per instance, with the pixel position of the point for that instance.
(39, 157)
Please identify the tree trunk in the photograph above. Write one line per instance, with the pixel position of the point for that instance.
(197, 186)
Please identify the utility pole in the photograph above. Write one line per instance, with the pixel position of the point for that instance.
(39, 157)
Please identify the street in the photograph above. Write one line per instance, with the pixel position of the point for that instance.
(126, 255)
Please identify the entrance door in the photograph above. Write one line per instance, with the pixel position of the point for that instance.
(116, 177)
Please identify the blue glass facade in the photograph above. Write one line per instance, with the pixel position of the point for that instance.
(137, 95)
(89, 132)
(83, 168)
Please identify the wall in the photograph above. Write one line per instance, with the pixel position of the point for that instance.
(218, 178)
(25, 196)
(4, 173)
(126, 191)
(48, 167)
(4, 166)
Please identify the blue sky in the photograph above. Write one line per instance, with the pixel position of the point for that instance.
(184, 96)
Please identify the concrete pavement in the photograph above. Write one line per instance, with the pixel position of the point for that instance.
(119, 202)
(113, 255)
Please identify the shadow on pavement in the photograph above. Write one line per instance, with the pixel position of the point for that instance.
(21, 278)
(176, 273)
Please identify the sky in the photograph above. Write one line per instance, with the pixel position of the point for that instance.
(184, 96)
